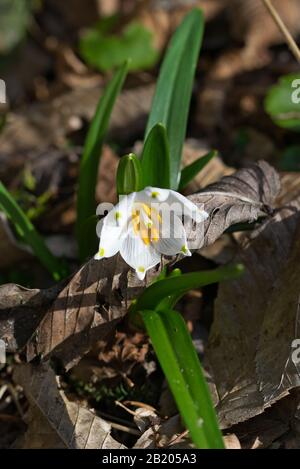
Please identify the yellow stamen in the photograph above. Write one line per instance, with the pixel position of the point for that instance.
(101, 252)
(146, 229)
(154, 235)
(184, 249)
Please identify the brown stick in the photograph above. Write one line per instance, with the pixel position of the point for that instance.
(288, 37)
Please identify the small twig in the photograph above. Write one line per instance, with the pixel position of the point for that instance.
(132, 412)
(124, 428)
(140, 404)
(178, 438)
(283, 28)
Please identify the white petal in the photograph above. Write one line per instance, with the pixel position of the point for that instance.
(155, 194)
(172, 239)
(188, 208)
(121, 212)
(138, 255)
(113, 228)
(110, 241)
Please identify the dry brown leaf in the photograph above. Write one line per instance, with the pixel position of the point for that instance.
(21, 311)
(232, 442)
(165, 434)
(243, 197)
(250, 345)
(39, 433)
(98, 295)
(77, 427)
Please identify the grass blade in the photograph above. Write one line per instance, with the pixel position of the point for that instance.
(90, 161)
(179, 285)
(29, 235)
(179, 361)
(174, 88)
(156, 158)
(189, 172)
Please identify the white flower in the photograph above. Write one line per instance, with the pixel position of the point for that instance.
(146, 224)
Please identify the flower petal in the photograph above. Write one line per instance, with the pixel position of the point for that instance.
(155, 194)
(113, 228)
(188, 208)
(138, 255)
(172, 238)
(121, 212)
(110, 241)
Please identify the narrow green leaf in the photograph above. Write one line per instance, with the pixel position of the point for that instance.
(178, 358)
(29, 234)
(189, 172)
(90, 161)
(174, 88)
(156, 158)
(179, 285)
(129, 175)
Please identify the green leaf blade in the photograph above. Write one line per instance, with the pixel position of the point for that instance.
(179, 285)
(189, 172)
(156, 158)
(174, 88)
(90, 161)
(30, 235)
(177, 356)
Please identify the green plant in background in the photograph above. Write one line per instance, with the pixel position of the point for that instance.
(102, 49)
(282, 103)
(14, 20)
(29, 235)
(290, 159)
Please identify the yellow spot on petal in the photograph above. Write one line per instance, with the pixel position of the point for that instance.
(141, 269)
(184, 249)
(101, 252)
(118, 215)
(154, 194)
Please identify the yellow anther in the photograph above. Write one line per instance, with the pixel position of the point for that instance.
(144, 228)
